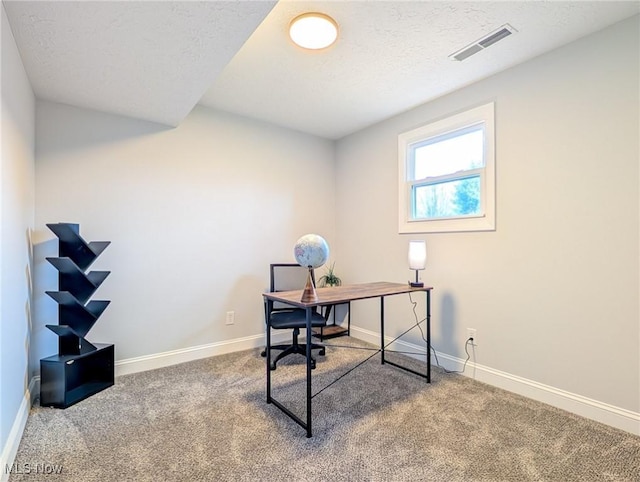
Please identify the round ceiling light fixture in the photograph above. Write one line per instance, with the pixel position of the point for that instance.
(313, 31)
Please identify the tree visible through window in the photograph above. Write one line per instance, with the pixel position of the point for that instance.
(446, 169)
(448, 199)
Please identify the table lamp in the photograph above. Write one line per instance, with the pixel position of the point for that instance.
(417, 260)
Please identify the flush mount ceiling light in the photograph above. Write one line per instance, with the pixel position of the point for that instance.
(313, 31)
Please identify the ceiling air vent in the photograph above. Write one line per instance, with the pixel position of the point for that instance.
(483, 43)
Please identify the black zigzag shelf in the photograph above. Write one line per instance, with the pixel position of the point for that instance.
(80, 369)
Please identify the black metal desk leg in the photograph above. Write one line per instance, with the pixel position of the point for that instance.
(309, 336)
(428, 336)
(268, 307)
(382, 330)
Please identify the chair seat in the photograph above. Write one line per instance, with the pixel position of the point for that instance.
(291, 319)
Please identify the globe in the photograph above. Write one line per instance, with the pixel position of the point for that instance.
(311, 251)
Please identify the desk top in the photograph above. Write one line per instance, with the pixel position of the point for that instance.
(334, 295)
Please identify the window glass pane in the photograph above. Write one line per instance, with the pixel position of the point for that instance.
(460, 197)
(453, 152)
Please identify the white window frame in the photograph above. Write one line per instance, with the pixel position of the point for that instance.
(485, 220)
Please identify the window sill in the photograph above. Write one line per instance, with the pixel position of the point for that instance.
(480, 223)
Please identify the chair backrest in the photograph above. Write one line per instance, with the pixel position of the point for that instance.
(288, 277)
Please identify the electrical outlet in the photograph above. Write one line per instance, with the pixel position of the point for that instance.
(231, 315)
(471, 333)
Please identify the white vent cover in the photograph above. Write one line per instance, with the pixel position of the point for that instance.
(483, 43)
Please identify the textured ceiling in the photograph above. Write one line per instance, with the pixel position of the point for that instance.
(150, 60)
(156, 60)
(389, 57)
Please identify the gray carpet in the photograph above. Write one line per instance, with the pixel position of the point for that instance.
(208, 420)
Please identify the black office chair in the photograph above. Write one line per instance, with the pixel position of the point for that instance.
(286, 277)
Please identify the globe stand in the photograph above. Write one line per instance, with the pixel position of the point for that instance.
(309, 294)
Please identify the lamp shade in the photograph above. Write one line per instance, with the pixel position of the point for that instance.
(417, 254)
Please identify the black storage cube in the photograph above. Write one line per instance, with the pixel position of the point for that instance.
(68, 379)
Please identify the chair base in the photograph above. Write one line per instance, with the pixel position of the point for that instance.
(293, 349)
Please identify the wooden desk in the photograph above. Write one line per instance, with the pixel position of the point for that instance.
(332, 296)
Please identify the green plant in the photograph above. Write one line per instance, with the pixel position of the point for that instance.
(330, 278)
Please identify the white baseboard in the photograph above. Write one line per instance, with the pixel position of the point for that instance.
(586, 407)
(168, 358)
(10, 448)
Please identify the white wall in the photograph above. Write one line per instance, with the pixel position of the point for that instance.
(195, 215)
(16, 208)
(553, 292)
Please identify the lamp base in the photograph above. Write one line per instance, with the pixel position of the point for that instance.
(416, 283)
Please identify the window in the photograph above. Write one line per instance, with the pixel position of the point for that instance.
(447, 174)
